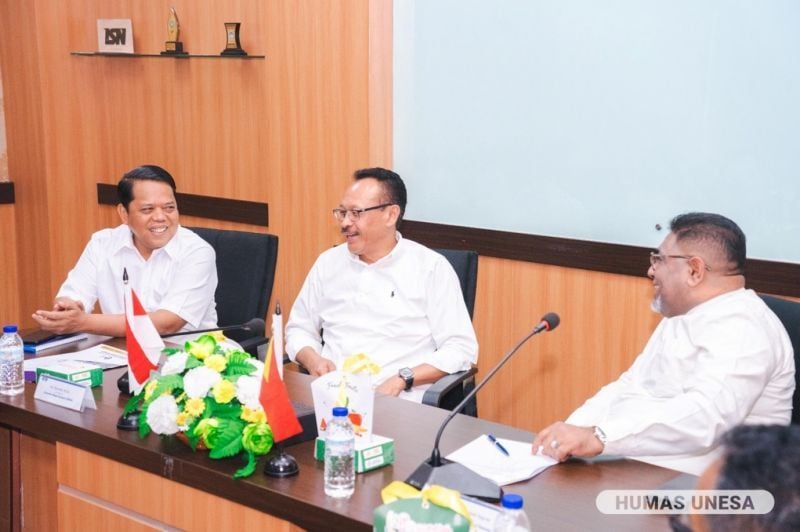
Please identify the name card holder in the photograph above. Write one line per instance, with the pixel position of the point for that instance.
(73, 395)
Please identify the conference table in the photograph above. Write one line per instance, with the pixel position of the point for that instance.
(79, 471)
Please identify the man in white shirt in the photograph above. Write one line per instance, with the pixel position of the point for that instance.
(720, 357)
(392, 299)
(171, 269)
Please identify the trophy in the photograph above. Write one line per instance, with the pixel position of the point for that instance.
(232, 45)
(173, 45)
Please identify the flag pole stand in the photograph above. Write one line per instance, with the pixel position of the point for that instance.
(129, 421)
(280, 464)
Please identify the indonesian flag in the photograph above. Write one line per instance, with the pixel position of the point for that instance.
(143, 342)
(275, 400)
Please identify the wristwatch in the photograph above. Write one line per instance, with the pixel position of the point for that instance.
(600, 435)
(408, 376)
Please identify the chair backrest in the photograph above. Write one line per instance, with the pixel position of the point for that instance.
(789, 314)
(245, 269)
(465, 263)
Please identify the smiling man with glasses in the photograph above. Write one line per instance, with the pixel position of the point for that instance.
(392, 299)
(719, 358)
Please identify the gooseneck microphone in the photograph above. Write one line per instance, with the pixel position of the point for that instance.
(443, 472)
(255, 325)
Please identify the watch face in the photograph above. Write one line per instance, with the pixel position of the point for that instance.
(406, 373)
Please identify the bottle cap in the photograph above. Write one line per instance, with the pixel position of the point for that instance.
(512, 501)
(339, 411)
(9, 328)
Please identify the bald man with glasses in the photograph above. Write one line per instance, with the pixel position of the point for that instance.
(392, 299)
(720, 357)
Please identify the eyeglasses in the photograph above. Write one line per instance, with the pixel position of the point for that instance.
(657, 258)
(355, 214)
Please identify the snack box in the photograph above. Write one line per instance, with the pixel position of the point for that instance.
(74, 371)
(370, 454)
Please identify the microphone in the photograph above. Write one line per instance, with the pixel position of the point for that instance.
(255, 327)
(438, 470)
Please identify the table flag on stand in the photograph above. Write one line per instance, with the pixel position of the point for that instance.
(141, 339)
(275, 400)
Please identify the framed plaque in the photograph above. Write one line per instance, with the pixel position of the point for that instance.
(115, 35)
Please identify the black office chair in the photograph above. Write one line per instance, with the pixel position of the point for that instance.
(451, 389)
(246, 270)
(789, 314)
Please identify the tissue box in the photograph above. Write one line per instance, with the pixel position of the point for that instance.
(73, 371)
(370, 454)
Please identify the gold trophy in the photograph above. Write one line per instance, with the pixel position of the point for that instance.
(173, 45)
(232, 45)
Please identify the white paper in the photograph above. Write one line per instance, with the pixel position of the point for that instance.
(105, 356)
(72, 395)
(344, 389)
(483, 457)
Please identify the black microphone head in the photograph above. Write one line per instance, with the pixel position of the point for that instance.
(551, 321)
(256, 325)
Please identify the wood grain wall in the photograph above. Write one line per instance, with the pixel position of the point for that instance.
(287, 130)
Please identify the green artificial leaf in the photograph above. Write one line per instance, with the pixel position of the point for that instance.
(166, 385)
(238, 364)
(192, 362)
(191, 436)
(144, 427)
(169, 351)
(209, 410)
(229, 439)
(132, 404)
(248, 469)
(226, 411)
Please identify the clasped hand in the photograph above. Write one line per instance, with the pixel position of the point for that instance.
(67, 316)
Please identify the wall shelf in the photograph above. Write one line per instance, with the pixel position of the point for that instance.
(169, 56)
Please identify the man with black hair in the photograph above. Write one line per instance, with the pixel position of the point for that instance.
(755, 457)
(392, 299)
(171, 269)
(720, 357)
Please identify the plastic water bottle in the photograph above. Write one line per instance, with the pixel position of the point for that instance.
(340, 455)
(12, 356)
(511, 518)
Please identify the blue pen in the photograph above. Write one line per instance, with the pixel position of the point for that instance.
(498, 444)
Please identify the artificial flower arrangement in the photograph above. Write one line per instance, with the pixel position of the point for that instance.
(210, 394)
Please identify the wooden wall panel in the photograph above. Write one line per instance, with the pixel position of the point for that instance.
(9, 277)
(605, 322)
(38, 478)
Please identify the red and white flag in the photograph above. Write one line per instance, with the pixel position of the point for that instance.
(143, 342)
(275, 400)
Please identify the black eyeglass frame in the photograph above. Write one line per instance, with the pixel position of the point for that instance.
(657, 258)
(355, 214)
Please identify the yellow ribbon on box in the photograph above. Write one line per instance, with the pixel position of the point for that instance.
(438, 495)
(360, 363)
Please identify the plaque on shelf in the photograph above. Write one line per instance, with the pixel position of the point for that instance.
(115, 35)
(173, 46)
(232, 44)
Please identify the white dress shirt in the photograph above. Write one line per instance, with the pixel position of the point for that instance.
(725, 362)
(181, 277)
(403, 310)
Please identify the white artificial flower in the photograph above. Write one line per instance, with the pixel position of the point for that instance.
(198, 381)
(161, 415)
(175, 364)
(247, 390)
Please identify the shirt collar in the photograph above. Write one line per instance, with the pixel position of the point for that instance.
(125, 241)
(386, 258)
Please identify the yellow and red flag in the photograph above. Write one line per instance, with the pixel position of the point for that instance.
(275, 400)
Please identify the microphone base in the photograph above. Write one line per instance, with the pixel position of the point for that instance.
(280, 464)
(455, 476)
